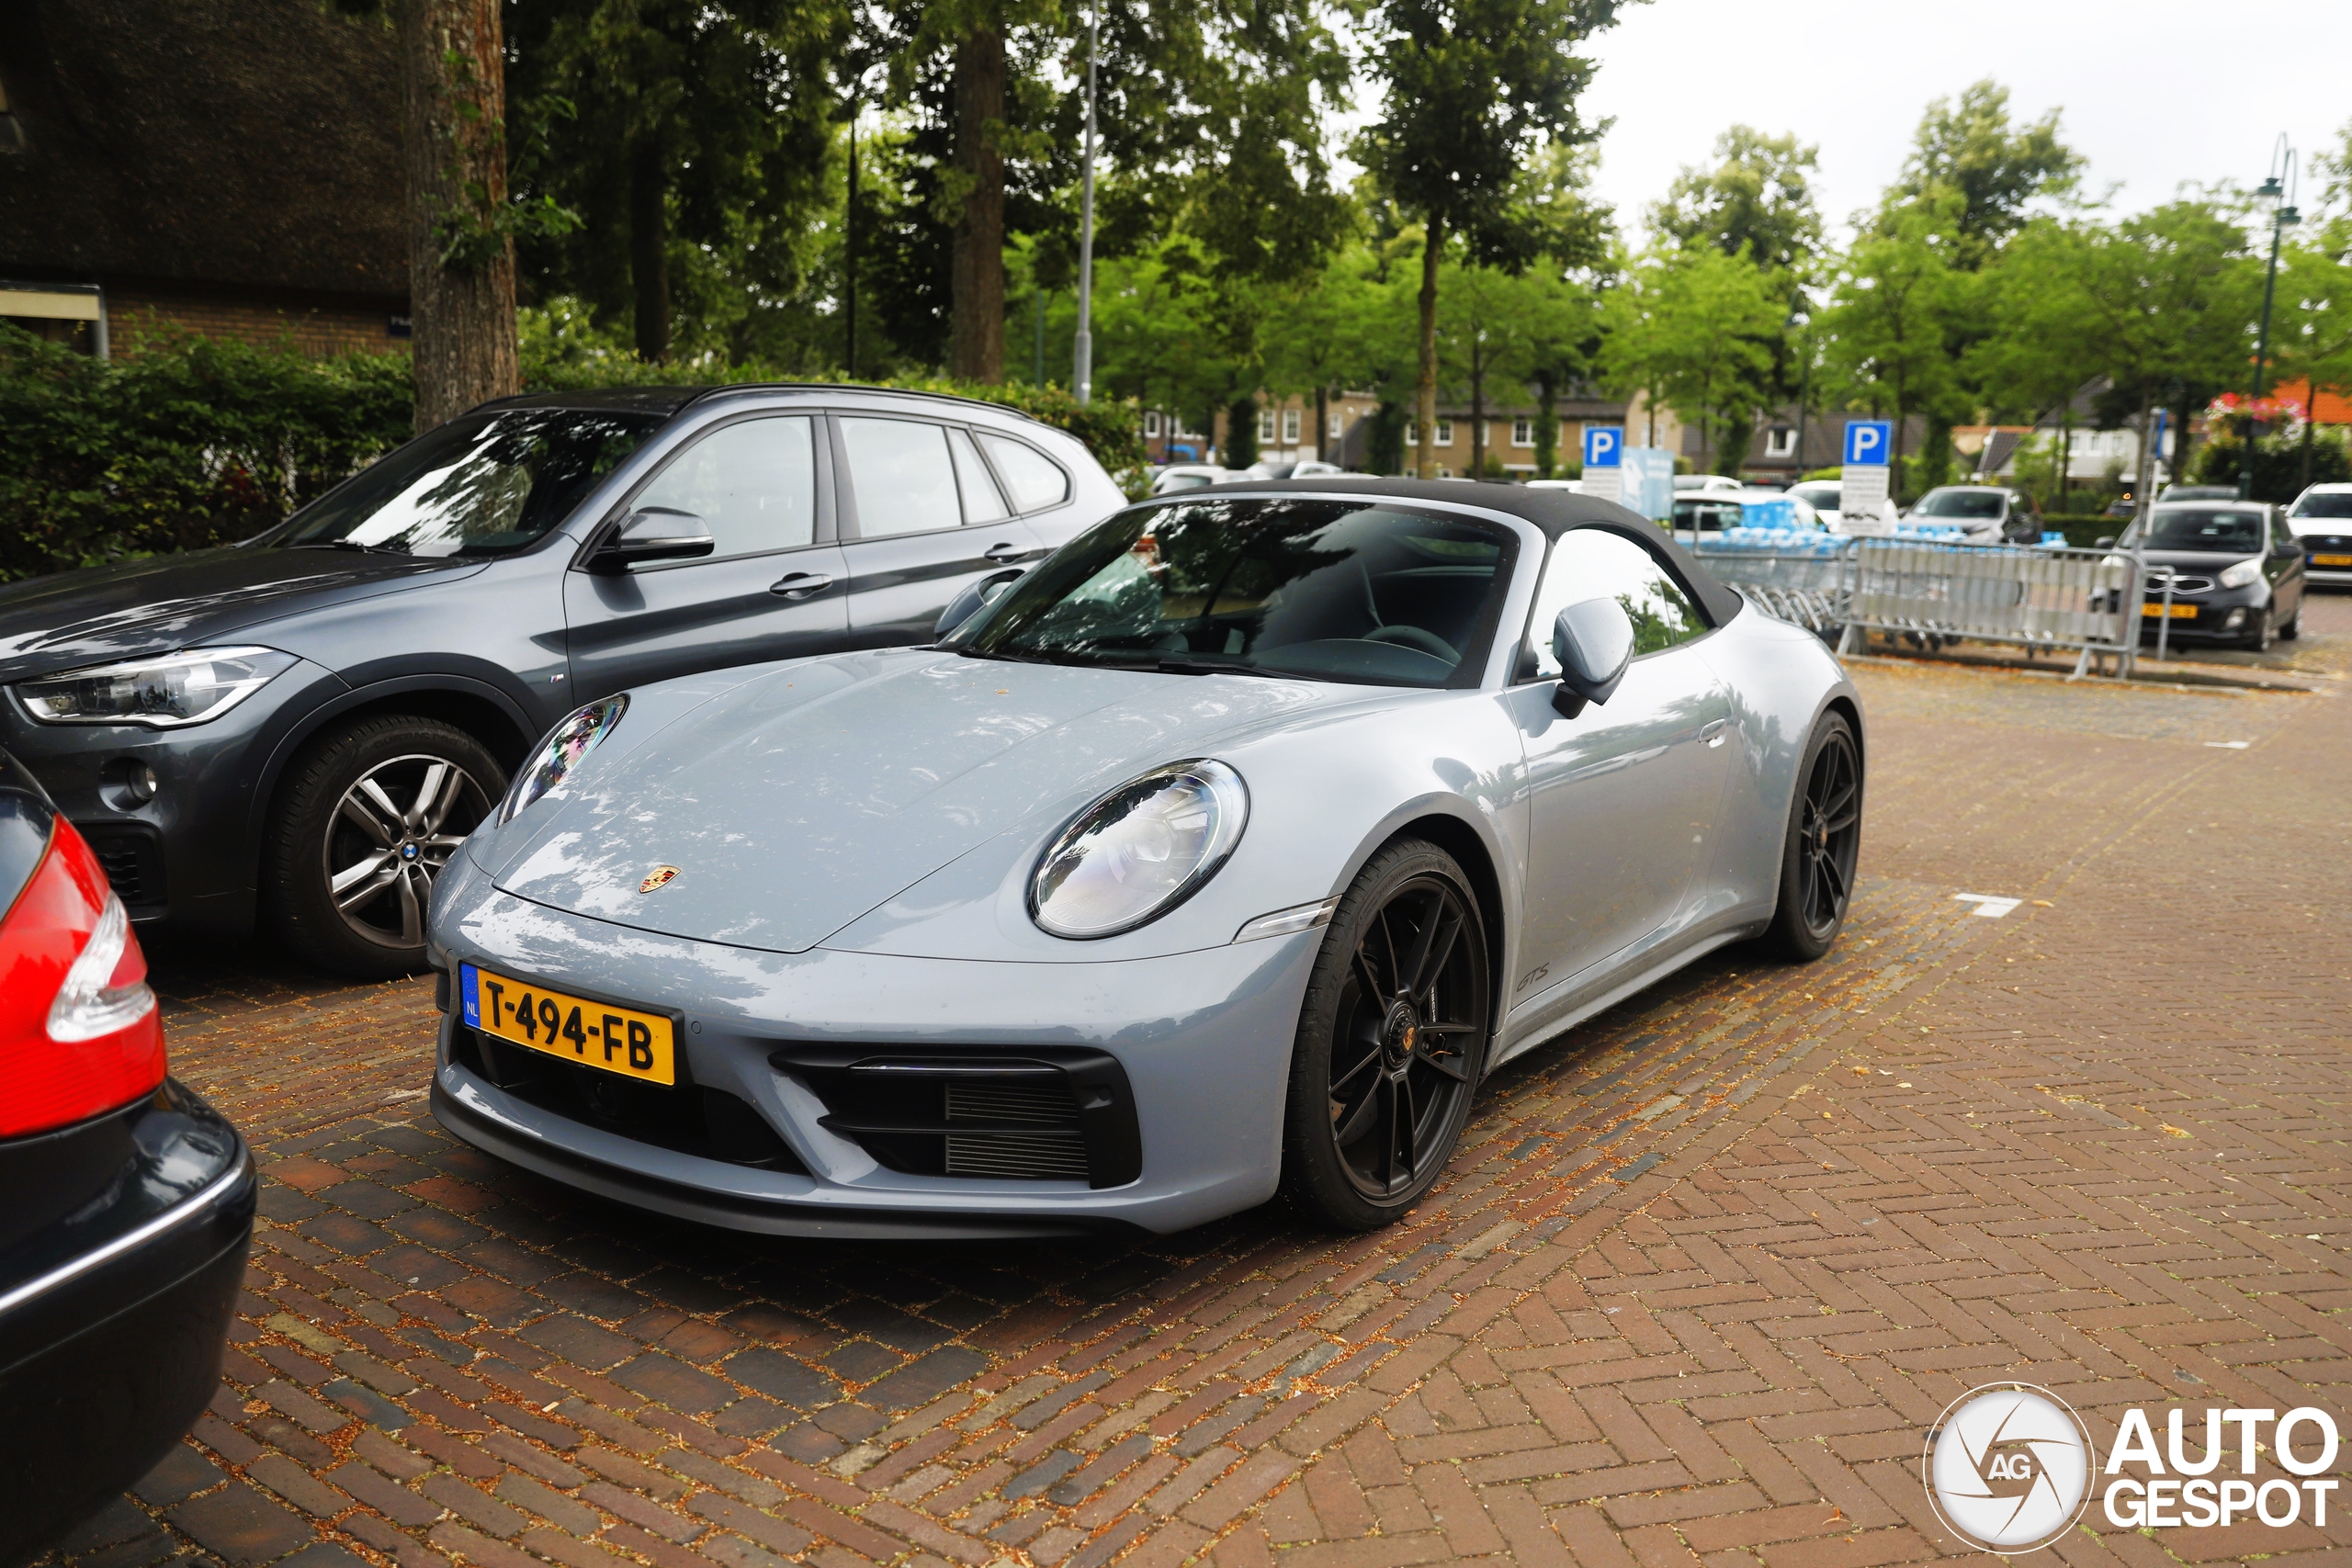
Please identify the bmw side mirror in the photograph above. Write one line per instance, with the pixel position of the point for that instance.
(651, 534)
(1593, 641)
(974, 597)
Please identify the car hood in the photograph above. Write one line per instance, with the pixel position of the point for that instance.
(134, 608)
(798, 800)
(2200, 563)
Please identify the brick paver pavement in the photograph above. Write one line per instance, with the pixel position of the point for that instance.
(1701, 1275)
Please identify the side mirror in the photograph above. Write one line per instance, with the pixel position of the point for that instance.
(974, 597)
(653, 533)
(2103, 541)
(1593, 641)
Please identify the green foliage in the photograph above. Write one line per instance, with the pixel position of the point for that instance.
(1756, 202)
(1971, 153)
(2278, 462)
(1893, 313)
(1693, 329)
(195, 443)
(190, 444)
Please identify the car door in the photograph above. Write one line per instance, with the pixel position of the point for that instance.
(775, 587)
(2285, 569)
(921, 516)
(1622, 800)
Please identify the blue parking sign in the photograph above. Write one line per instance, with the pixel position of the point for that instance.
(1604, 446)
(1870, 443)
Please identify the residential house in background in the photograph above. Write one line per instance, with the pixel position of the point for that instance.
(226, 167)
(1286, 433)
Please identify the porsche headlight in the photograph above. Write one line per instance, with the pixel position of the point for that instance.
(2239, 575)
(1140, 852)
(560, 753)
(163, 693)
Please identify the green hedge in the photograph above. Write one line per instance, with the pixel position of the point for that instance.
(197, 442)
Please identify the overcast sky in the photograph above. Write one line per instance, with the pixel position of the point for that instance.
(2153, 93)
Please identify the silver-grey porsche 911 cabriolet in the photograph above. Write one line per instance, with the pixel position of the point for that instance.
(1221, 853)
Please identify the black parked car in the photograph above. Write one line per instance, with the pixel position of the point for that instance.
(304, 727)
(2235, 571)
(126, 1203)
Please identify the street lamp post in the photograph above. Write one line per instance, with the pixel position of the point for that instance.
(1804, 382)
(2278, 186)
(1082, 346)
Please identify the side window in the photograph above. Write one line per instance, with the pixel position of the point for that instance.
(1592, 563)
(981, 502)
(901, 475)
(1035, 481)
(754, 482)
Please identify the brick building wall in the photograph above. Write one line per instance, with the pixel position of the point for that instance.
(318, 328)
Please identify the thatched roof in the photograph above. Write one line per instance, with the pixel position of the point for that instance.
(252, 143)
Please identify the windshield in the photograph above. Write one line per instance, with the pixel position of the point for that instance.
(484, 484)
(1967, 503)
(2331, 503)
(2217, 530)
(1324, 589)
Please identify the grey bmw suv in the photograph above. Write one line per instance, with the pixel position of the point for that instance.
(301, 728)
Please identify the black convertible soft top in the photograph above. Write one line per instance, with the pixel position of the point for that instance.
(1554, 510)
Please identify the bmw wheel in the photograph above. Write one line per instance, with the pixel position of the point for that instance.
(1391, 1040)
(1825, 839)
(367, 818)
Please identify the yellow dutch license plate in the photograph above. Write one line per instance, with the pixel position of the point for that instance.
(617, 1038)
(2179, 612)
(2332, 560)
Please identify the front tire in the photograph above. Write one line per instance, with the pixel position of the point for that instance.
(1824, 840)
(1391, 1040)
(368, 816)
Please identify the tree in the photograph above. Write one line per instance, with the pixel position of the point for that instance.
(1756, 202)
(1970, 151)
(1693, 328)
(1888, 327)
(696, 140)
(1471, 91)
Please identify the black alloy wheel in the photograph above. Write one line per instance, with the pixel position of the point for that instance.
(1391, 1041)
(365, 821)
(1824, 842)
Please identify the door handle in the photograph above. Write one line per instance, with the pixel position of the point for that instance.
(1004, 554)
(1714, 733)
(799, 584)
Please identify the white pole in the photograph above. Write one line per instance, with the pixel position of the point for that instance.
(1082, 349)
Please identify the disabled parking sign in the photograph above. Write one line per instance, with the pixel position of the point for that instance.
(1604, 446)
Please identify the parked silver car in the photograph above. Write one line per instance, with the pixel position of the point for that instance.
(1227, 850)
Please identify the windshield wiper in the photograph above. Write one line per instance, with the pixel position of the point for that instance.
(345, 545)
(1189, 665)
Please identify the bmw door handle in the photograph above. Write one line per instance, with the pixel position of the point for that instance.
(799, 584)
(1004, 554)
(1714, 734)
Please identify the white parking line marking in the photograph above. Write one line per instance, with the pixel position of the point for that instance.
(2230, 745)
(1989, 906)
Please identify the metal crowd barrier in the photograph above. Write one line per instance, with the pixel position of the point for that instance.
(2085, 602)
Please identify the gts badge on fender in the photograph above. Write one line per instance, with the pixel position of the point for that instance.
(660, 876)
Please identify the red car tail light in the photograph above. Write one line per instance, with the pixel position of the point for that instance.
(80, 1033)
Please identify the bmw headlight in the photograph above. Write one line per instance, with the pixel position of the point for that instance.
(560, 753)
(2239, 575)
(163, 693)
(1140, 852)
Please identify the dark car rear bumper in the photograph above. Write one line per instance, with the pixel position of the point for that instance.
(113, 1311)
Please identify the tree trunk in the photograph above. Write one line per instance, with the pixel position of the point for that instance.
(1323, 423)
(1425, 389)
(1547, 426)
(2144, 471)
(649, 249)
(976, 319)
(1477, 414)
(453, 152)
